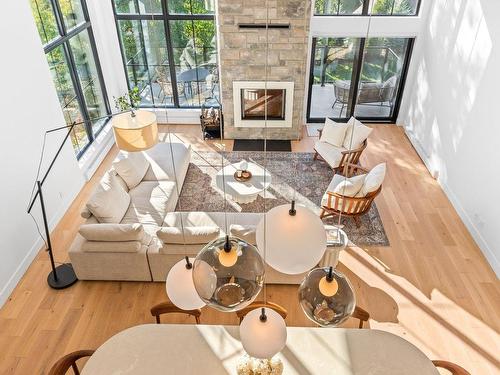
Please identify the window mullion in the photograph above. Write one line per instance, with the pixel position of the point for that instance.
(59, 17)
(170, 54)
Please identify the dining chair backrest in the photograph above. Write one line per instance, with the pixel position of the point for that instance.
(170, 308)
(69, 361)
(259, 304)
(360, 314)
(451, 367)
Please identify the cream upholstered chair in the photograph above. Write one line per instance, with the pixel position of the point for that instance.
(341, 143)
(352, 195)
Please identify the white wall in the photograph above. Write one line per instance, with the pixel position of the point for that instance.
(29, 107)
(450, 111)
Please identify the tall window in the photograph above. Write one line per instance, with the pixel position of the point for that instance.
(357, 76)
(363, 7)
(66, 33)
(169, 50)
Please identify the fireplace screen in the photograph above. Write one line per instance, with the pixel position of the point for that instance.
(253, 104)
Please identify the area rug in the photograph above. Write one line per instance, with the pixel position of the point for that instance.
(294, 176)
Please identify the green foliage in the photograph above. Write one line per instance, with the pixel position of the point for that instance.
(128, 101)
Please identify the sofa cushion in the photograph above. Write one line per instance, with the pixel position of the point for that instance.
(109, 202)
(160, 161)
(190, 235)
(192, 219)
(131, 166)
(112, 247)
(373, 180)
(333, 132)
(358, 132)
(150, 201)
(245, 232)
(331, 154)
(112, 232)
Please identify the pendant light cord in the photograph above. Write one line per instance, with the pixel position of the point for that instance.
(346, 169)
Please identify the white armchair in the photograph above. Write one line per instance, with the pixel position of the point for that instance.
(340, 144)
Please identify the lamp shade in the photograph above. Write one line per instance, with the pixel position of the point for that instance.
(136, 132)
(327, 297)
(228, 273)
(263, 338)
(292, 244)
(180, 286)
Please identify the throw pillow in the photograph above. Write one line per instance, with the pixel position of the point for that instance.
(333, 132)
(109, 202)
(356, 134)
(132, 167)
(351, 186)
(245, 232)
(373, 179)
(191, 236)
(112, 232)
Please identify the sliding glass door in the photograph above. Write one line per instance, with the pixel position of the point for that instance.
(355, 76)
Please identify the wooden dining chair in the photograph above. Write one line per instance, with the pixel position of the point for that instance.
(170, 308)
(259, 304)
(360, 314)
(69, 361)
(451, 367)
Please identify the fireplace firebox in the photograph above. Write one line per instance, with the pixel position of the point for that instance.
(256, 104)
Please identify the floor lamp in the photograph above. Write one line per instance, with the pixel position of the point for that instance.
(134, 131)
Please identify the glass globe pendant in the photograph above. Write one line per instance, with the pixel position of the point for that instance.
(180, 286)
(327, 297)
(263, 333)
(228, 273)
(294, 240)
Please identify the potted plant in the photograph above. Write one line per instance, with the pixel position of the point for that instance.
(129, 101)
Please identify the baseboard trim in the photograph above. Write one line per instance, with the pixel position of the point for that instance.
(469, 224)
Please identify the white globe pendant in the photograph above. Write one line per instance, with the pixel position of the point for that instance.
(263, 333)
(293, 240)
(180, 286)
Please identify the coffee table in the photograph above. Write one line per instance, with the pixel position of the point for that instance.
(247, 191)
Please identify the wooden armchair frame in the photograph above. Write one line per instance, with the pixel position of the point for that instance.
(353, 207)
(69, 361)
(170, 308)
(451, 367)
(348, 156)
(259, 304)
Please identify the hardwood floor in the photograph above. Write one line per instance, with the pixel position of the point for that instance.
(431, 286)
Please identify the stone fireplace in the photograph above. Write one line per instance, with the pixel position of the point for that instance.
(243, 40)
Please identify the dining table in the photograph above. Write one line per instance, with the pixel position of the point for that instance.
(213, 349)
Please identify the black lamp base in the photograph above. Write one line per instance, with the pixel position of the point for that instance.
(65, 277)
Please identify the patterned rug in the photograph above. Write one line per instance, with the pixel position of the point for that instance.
(294, 176)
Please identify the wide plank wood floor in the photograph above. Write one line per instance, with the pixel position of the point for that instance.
(431, 286)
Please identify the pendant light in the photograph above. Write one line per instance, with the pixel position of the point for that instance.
(180, 287)
(327, 297)
(296, 238)
(228, 274)
(263, 331)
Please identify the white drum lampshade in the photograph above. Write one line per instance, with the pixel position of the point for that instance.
(293, 240)
(180, 286)
(135, 131)
(263, 333)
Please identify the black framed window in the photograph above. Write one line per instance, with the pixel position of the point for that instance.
(357, 76)
(69, 45)
(364, 7)
(169, 50)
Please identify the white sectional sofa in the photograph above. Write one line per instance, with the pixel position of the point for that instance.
(132, 233)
